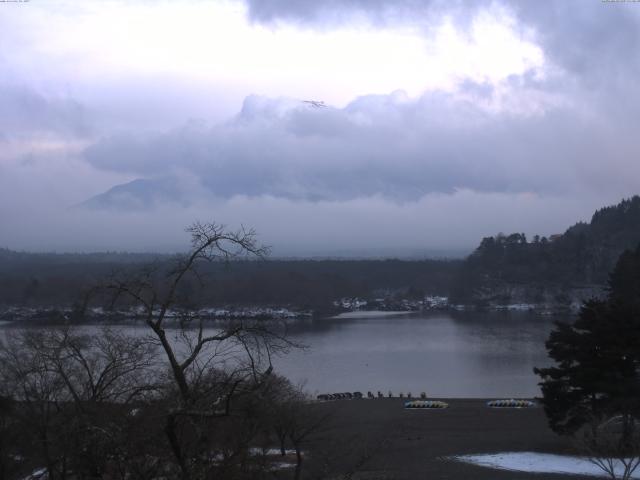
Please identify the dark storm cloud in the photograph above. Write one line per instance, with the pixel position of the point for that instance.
(591, 43)
(592, 66)
(591, 38)
(534, 152)
(378, 145)
(596, 44)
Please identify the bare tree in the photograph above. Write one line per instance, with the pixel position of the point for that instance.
(6, 460)
(613, 445)
(71, 389)
(209, 368)
(295, 420)
(96, 404)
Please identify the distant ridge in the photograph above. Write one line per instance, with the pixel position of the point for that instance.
(138, 194)
(581, 257)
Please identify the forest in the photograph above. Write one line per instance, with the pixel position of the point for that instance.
(580, 258)
(503, 268)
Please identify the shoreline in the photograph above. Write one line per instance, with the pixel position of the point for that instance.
(404, 444)
(371, 314)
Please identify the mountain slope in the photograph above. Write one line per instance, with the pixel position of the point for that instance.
(139, 194)
(580, 259)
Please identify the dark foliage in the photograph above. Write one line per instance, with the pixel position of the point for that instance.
(100, 406)
(597, 371)
(51, 280)
(7, 461)
(583, 255)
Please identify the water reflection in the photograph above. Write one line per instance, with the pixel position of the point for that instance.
(444, 355)
(460, 355)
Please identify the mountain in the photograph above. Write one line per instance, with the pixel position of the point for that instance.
(577, 263)
(139, 194)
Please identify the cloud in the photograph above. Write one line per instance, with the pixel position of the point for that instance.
(517, 116)
(592, 39)
(387, 145)
(589, 45)
(25, 112)
(329, 12)
(361, 227)
(587, 38)
(140, 194)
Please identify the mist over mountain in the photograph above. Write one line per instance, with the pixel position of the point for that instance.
(138, 194)
(441, 122)
(339, 128)
(214, 212)
(505, 268)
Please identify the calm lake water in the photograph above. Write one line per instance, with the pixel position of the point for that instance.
(442, 354)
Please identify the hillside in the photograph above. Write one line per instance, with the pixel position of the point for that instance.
(504, 269)
(562, 268)
(38, 280)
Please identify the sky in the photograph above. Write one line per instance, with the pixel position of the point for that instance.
(121, 123)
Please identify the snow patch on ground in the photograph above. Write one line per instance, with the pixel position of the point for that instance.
(532, 462)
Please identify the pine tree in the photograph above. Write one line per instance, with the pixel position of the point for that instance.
(597, 371)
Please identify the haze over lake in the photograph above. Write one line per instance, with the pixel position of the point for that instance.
(442, 354)
(445, 354)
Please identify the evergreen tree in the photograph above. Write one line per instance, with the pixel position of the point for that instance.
(583, 255)
(597, 371)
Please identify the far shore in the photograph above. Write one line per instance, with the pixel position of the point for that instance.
(372, 314)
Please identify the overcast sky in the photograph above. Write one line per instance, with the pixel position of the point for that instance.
(446, 121)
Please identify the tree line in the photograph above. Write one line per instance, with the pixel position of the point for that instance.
(180, 401)
(46, 280)
(542, 267)
(583, 255)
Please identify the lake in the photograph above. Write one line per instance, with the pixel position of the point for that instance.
(443, 354)
(446, 354)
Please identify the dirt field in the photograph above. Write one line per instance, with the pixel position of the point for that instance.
(380, 439)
